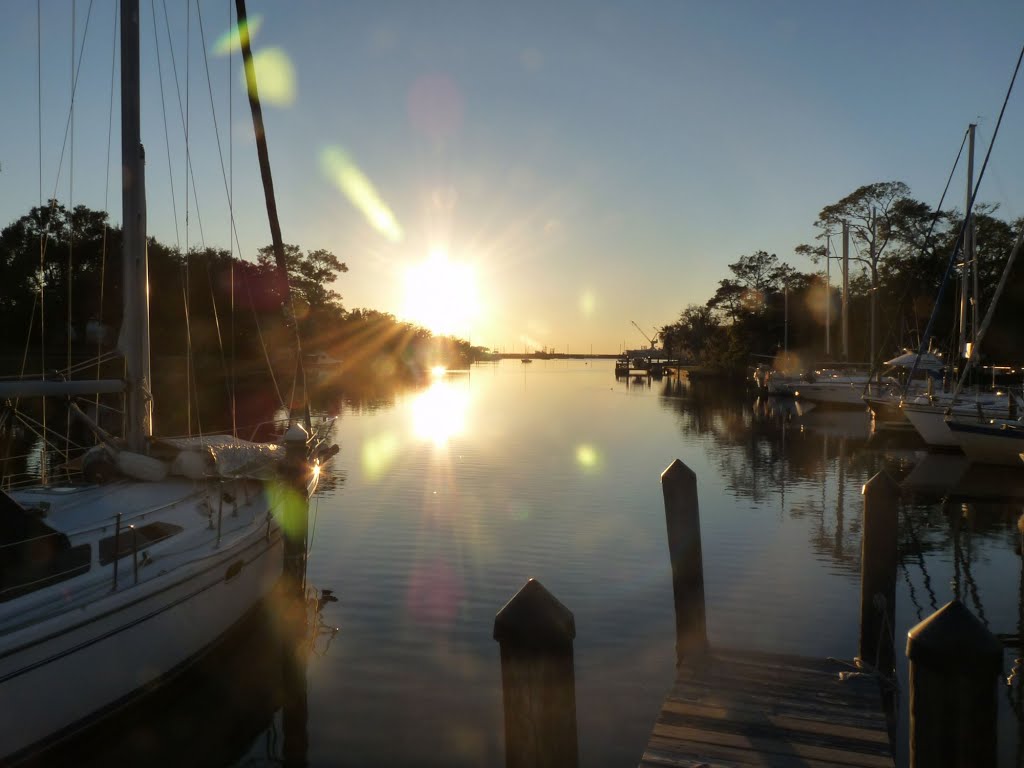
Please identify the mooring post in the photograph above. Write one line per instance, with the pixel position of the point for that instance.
(682, 520)
(955, 664)
(536, 632)
(295, 510)
(878, 564)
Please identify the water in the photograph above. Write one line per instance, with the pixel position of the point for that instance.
(444, 500)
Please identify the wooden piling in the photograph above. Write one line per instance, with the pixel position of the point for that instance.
(536, 633)
(682, 521)
(955, 664)
(878, 566)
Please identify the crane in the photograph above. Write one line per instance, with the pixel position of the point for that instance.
(650, 341)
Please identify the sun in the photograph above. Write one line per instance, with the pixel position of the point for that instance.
(441, 295)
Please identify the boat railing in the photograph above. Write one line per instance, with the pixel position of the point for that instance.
(126, 525)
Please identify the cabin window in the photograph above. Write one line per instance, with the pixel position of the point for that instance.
(145, 535)
(32, 554)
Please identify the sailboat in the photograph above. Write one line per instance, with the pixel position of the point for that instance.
(112, 586)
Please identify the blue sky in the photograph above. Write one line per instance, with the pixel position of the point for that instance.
(592, 163)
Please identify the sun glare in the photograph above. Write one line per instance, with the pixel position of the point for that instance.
(441, 295)
(439, 412)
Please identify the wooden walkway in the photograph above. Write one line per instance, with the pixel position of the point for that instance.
(738, 708)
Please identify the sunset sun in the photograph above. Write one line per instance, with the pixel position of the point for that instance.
(441, 295)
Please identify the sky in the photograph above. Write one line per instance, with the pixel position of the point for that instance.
(523, 175)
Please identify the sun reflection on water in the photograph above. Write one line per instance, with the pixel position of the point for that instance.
(439, 412)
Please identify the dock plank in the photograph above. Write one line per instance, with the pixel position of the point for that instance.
(734, 709)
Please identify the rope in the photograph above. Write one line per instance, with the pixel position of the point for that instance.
(167, 138)
(71, 216)
(231, 214)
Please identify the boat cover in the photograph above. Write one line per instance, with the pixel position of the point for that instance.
(928, 362)
(223, 456)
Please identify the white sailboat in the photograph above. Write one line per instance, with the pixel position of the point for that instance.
(109, 588)
(992, 441)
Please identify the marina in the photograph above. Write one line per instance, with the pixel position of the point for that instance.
(339, 486)
(446, 498)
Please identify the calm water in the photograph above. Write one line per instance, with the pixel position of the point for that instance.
(443, 501)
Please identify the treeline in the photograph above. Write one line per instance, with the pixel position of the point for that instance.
(234, 306)
(899, 248)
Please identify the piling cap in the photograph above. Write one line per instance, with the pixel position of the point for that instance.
(534, 618)
(952, 639)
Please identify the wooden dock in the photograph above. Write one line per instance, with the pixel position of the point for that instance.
(738, 708)
(741, 708)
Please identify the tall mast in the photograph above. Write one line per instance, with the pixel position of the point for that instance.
(846, 293)
(828, 294)
(134, 341)
(268, 187)
(967, 251)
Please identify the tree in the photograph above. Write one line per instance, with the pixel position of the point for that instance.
(689, 337)
(871, 212)
(310, 275)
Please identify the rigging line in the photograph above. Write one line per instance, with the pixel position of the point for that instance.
(967, 214)
(259, 334)
(167, 136)
(181, 117)
(220, 153)
(71, 219)
(972, 585)
(931, 231)
(911, 592)
(74, 88)
(927, 579)
(231, 216)
(42, 231)
(980, 332)
(188, 168)
(106, 200)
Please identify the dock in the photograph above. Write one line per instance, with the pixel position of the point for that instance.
(740, 708)
(746, 708)
(729, 708)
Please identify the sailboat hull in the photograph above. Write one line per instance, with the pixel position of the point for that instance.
(64, 674)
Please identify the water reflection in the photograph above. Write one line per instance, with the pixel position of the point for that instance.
(439, 412)
(960, 526)
(245, 702)
(541, 487)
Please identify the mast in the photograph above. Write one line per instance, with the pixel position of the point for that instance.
(268, 187)
(846, 292)
(968, 247)
(828, 294)
(134, 340)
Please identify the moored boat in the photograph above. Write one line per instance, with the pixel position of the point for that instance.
(114, 582)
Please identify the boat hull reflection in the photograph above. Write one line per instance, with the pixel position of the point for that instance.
(241, 701)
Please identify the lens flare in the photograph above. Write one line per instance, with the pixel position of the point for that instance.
(588, 458)
(378, 455)
(289, 507)
(353, 183)
(588, 302)
(231, 41)
(275, 76)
